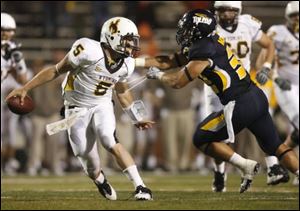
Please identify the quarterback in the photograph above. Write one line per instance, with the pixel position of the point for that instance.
(94, 69)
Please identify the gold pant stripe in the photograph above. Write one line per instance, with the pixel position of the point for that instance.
(214, 124)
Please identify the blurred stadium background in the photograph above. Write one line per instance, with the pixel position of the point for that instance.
(44, 26)
(47, 29)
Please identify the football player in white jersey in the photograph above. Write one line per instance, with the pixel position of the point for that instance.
(12, 63)
(286, 71)
(240, 31)
(94, 70)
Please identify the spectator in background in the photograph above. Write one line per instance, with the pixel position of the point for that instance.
(178, 123)
(145, 141)
(46, 151)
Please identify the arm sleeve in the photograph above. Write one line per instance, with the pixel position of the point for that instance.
(180, 59)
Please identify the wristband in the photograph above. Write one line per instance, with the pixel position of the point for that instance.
(267, 65)
(140, 62)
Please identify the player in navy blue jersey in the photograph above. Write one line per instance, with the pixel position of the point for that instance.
(245, 105)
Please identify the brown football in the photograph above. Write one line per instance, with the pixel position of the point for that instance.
(14, 104)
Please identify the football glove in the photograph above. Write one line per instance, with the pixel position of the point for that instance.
(17, 56)
(154, 73)
(262, 77)
(283, 84)
(9, 47)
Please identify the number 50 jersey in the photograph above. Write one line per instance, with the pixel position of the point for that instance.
(240, 40)
(92, 82)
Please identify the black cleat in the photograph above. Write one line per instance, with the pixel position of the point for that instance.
(277, 174)
(219, 182)
(143, 193)
(286, 176)
(106, 190)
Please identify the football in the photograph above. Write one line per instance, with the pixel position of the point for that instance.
(14, 104)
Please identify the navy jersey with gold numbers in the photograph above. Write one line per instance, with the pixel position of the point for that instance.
(227, 76)
(231, 82)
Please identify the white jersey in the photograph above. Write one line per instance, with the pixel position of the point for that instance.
(287, 50)
(91, 83)
(240, 40)
(7, 62)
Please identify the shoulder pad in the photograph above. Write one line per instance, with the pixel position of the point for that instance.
(250, 20)
(202, 49)
(84, 52)
(276, 32)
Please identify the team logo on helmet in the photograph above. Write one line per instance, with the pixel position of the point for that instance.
(113, 27)
(121, 35)
(201, 18)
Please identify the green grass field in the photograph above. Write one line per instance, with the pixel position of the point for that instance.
(184, 191)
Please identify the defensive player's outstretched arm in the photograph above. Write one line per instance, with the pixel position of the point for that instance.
(44, 76)
(264, 61)
(163, 62)
(260, 59)
(181, 78)
(267, 44)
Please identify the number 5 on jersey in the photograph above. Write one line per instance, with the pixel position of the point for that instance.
(101, 88)
(78, 50)
(233, 61)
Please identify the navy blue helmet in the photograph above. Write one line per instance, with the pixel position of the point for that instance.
(195, 25)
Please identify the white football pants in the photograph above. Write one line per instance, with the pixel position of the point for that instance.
(98, 123)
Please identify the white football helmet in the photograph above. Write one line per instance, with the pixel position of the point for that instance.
(292, 8)
(7, 22)
(120, 33)
(228, 20)
(231, 4)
